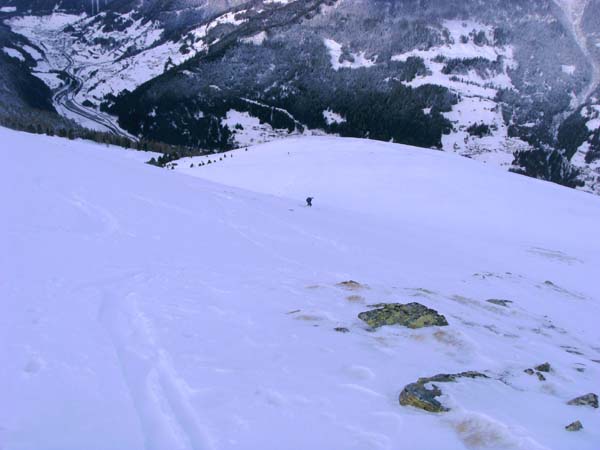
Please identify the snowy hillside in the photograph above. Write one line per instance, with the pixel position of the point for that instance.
(144, 308)
(515, 84)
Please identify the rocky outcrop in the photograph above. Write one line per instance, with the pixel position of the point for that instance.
(411, 315)
(575, 426)
(351, 285)
(590, 399)
(421, 396)
(537, 370)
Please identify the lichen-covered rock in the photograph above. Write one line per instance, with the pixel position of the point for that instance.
(499, 302)
(575, 426)
(411, 315)
(419, 395)
(590, 399)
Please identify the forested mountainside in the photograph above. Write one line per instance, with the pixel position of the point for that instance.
(513, 83)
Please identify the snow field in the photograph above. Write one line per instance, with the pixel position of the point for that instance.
(146, 308)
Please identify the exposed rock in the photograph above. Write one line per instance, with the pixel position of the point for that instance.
(575, 426)
(450, 378)
(420, 396)
(351, 285)
(342, 330)
(590, 399)
(540, 376)
(411, 315)
(537, 370)
(543, 367)
(573, 352)
(498, 302)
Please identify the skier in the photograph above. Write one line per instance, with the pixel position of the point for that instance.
(309, 201)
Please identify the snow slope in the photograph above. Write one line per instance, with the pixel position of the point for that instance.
(144, 308)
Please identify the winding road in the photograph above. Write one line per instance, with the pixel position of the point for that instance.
(65, 97)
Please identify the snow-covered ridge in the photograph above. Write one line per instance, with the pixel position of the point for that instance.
(207, 312)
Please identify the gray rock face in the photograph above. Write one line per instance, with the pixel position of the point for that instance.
(590, 399)
(411, 315)
(575, 426)
(420, 396)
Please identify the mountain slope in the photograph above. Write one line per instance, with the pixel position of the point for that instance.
(511, 83)
(163, 311)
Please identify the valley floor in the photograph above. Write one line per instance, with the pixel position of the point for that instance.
(143, 308)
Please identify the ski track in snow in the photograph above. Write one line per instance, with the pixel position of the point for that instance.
(110, 224)
(161, 397)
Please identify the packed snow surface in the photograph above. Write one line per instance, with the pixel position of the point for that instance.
(143, 308)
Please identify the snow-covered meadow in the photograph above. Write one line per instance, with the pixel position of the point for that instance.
(147, 308)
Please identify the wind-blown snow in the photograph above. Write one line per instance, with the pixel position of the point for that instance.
(144, 308)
